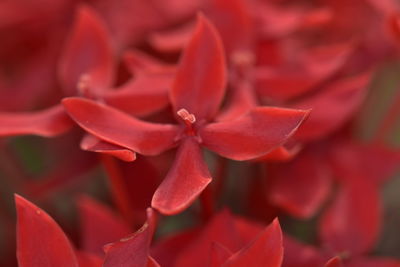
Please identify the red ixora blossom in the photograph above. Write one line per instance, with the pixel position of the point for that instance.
(196, 95)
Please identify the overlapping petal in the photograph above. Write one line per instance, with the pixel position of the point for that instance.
(186, 179)
(118, 128)
(48, 123)
(88, 52)
(254, 134)
(199, 85)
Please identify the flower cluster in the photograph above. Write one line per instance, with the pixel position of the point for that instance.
(186, 133)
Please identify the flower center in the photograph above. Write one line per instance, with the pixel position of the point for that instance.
(189, 119)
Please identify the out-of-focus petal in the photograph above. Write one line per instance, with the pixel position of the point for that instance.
(265, 250)
(93, 144)
(333, 106)
(373, 262)
(119, 128)
(40, 241)
(334, 262)
(186, 179)
(352, 222)
(301, 186)
(86, 259)
(88, 52)
(199, 85)
(254, 134)
(301, 255)
(218, 255)
(144, 94)
(48, 123)
(132, 251)
(172, 40)
(99, 226)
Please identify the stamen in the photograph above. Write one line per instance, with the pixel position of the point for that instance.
(243, 58)
(186, 116)
(84, 85)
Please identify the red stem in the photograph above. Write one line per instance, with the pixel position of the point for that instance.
(118, 188)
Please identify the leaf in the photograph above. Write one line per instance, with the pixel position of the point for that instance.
(116, 127)
(47, 123)
(186, 179)
(40, 241)
(254, 134)
(199, 85)
(88, 52)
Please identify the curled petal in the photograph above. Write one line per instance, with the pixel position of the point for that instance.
(40, 241)
(199, 85)
(118, 128)
(133, 250)
(88, 52)
(254, 134)
(186, 179)
(93, 144)
(265, 250)
(47, 123)
(352, 222)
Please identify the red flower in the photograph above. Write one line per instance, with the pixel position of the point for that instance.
(196, 95)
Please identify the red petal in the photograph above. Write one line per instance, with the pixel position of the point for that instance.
(281, 154)
(352, 222)
(132, 250)
(99, 226)
(143, 95)
(219, 255)
(373, 262)
(334, 262)
(40, 241)
(316, 65)
(200, 82)
(86, 259)
(186, 179)
(254, 134)
(301, 186)
(334, 106)
(47, 123)
(93, 144)
(265, 250)
(88, 52)
(116, 127)
(173, 40)
(301, 255)
(136, 61)
(221, 229)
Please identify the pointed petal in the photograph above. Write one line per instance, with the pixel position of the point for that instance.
(132, 251)
(254, 134)
(186, 179)
(265, 250)
(40, 241)
(334, 262)
(93, 144)
(48, 123)
(88, 52)
(143, 95)
(99, 226)
(118, 128)
(352, 222)
(333, 107)
(199, 85)
(301, 186)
